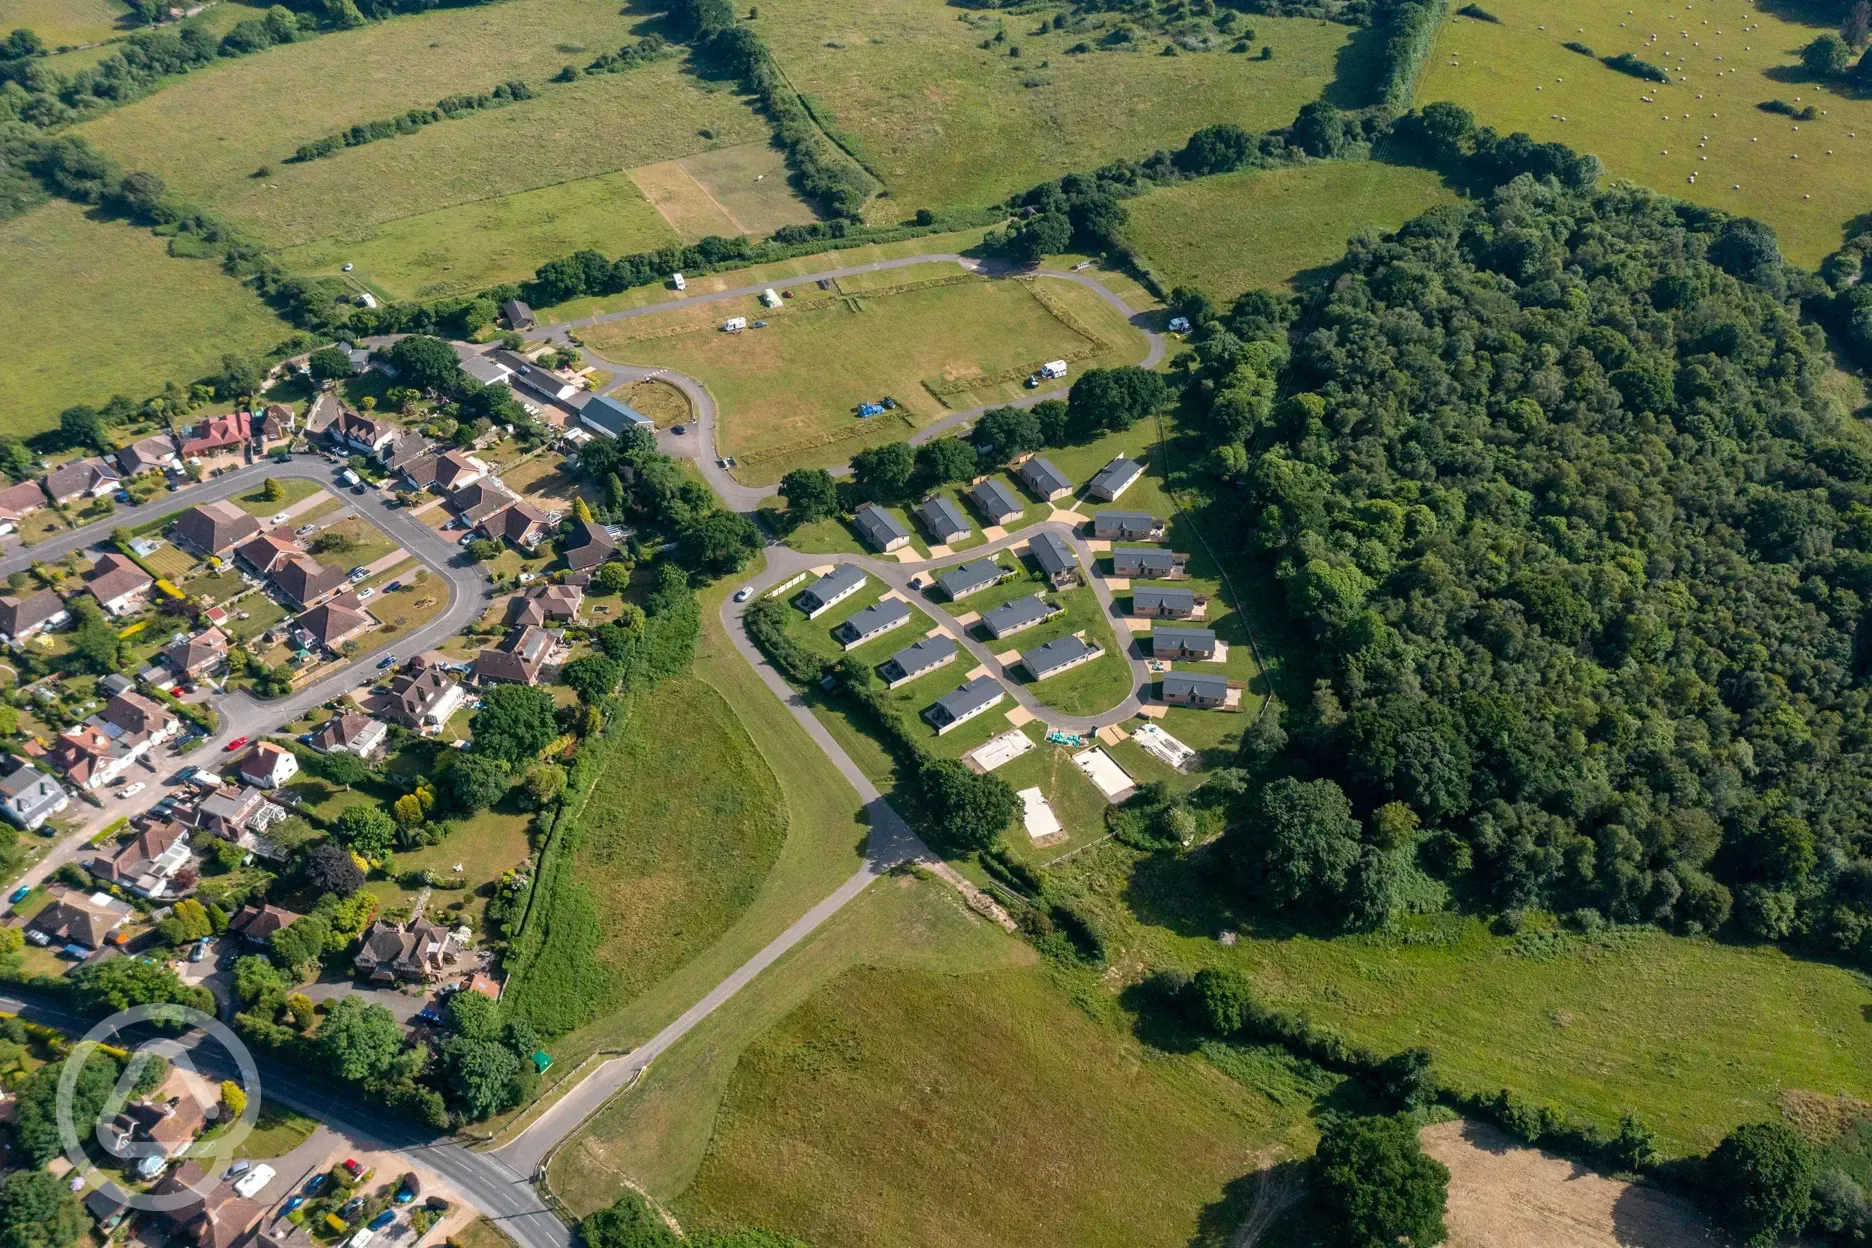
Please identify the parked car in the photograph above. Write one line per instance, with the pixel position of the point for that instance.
(123, 496)
(386, 661)
(351, 1167)
(366, 592)
(679, 429)
(382, 1220)
(177, 691)
(19, 894)
(233, 745)
(293, 1204)
(135, 789)
(316, 1184)
(239, 1168)
(358, 574)
(199, 952)
(392, 587)
(744, 593)
(280, 517)
(304, 529)
(253, 1181)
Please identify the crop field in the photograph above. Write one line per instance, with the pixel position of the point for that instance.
(1276, 227)
(727, 191)
(211, 134)
(63, 22)
(788, 393)
(472, 246)
(1807, 179)
(100, 308)
(950, 123)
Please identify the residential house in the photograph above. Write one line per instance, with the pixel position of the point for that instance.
(1115, 478)
(1149, 563)
(20, 618)
(603, 414)
(214, 528)
(323, 414)
(534, 377)
(151, 865)
(1127, 526)
(971, 578)
(521, 658)
(880, 528)
(119, 585)
(481, 500)
(1056, 656)
(231, 811)
(1167, 604)
(517, 314)
(487, 370)
(424, 700)
(1019, 616)
(523, 524)
(1198, 644)
(206, 1213)
(332, 623)
(1044, 479)
(364, 435)
(171, 1125)
(916, 660)
(830, 590)
(952, 710)
(406, 453)
(269, 766)
(21, 500)
(276, 424)
(545, 604)
(105, 745)
(156, 453)
(192, 656)
(996, 502)
(264, 552)
(443, 473)
(305, 582)
(76, 919)
(255, 925)
(872, 622)
(82, 478)
(943, 519)
(218, 434)
(29, 797)
(348, 732)
(141, 716)
(421, 953)
(1197, 689)
(1055, 559)
(588, 545)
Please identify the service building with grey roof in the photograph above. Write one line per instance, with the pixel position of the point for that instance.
(917, 660)
(830, 590)
(879, 528)
(952, 710)
(970, 578)
(1018, 616)
(1056, 656)
(874, 621)
(943, 519)
(996, 501)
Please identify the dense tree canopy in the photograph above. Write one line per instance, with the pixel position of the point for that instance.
(1378, 1187)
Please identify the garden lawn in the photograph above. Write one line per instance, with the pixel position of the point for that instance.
(1516, 76)
(472, 246)
(485, 845)
(949, 123)
(211, 133)
(292, 490)
(1085, 690)
(276, 1132)
(1075, 800)
(369, 544)
(63, 22)
(100, 308)
(1273, 228)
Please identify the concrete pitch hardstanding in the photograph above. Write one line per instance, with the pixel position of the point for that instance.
(1153, 710)
(1099, 545)
(969, 620)
(1117, 584)
(994, 532)
(1111, 734)
(1038, 817)
(1000, 750)
(1019, 715)
(1221, 653)
(939, 551)
(1069, 517)
(1008, 658)
(1104, 772)
(1137, 625)
(906, 554)
(975, 672)
(891, 595)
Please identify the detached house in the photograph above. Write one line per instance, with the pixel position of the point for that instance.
(151, 865)
(872, 622)
(119, 585)
(83, 478)
(1127, 526)
(356, 432)
(528, 375)
(20, 618)
(104, 746)
(217, 434)
(276, 424)
(151, 454)
(1055, 560)
(269, 766)
(1056, 656)
(351, 733)
(482, 500)
(333, 623)
(424, 700)
(1019, 616)
(1149, 563)
(971, 578)
(421, 953)
(18, 501)
(521, 658)
(29, 797)
(830, 590)
(306, 582)
(195, 655)
(76, 919)
(255, 925)
(214, 528)
(523, 524)
(588, 545)
(1167, 604)
(262, 554)
(229, 812)
(1197, 689)
(546, 604)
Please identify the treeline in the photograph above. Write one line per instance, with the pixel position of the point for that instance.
(630, 56)
(822, 171)
(1636, 67)
(1410, 29)
(446, 109)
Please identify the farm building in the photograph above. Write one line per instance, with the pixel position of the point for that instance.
(996, 501)
(1127, 526)
(1148, 563)
(971, 577)
(1167, 604)
(1056, 656)
(1183, 643)
(1115, 478)
(1019, 616)
(880, 528)
(604, 414)
(1055, 559)
(913, 661)
(874, 621)
(943, 519)
(1045, 480)
(952, 710)
(1195, 689)
(830, 590)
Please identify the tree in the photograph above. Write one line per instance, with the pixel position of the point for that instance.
(945, 460)
(238, 378)
(514, 724)
(1005, 432)
(300, 945)
(187, 922)
(484, 550)
(811, 494)
(1319, 129)
(1376, 1185)
(472, 1016)
(1856, 30)
(1762, 1176)
(613, 577)
(1829, 56)
(475, 781)
(627, 1223)
(233, 1098)
(344, 768)
(1224, 1000)
(329, 869)
(257, 979)
(719, 542)
(426, 363)
(1114, 398)
(407, 810)
(883, 473)
(544, 784)
(1215, 149)
(83, 428)
(592, 677)
(359, 1042)
(1299, 842)
(36, 1128)
(966, 811)
(272, 491)
(120, 983)
(38, 1210)
(1039, 236)
(366, 830)
(329, 364)
(483, 1079)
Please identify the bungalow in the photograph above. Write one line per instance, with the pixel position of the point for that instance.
(954, 709)
(213, 528)
(354, 431)
(519, 659)
(487, 370)
(523, 524)
(1115, 478)
(943, 519)
(1019, 616)
(255, 925)
(996, 502)
(150, 864)
(1127, 526)
(265, 552)
(29, 797)
(604, 414)
(451, 471)
(1149, 563)
(20, 618)
(424, 700)
(119, 585)
(545, 604)
(350, 733)
(874, 621)
(914, 661)
(1197, 689)
(517, 314)
(405, 454)
(479, 501)
(192, 656)
(82, 478)
(203, 1213)
(218, 433)
(305, 582)
(323, 414)
(1044, 479)
(269, 766)
(1197, 644)
(880, 528)
(19, 501)
(1167, 604)
(830, 590)
(333, 623)
(1056, 656)
(971, 578)
(420, 953)
(588, 545)
(542, 381)
(152, 454)
(1055, 559)
(76, 919)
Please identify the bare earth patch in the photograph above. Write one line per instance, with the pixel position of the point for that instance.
(1503, 1194)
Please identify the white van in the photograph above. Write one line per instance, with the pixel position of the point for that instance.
(253, 1181)
(1053, 369)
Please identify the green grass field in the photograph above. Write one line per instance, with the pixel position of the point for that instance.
(101, 308)
(63, 22)
(1516, 76)
(1274, 228)
(469, 247)
(209, 134)
(949, 123)
(727, 191)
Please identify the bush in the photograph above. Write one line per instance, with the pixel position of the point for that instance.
(1761, 1178)
(1626, 63)
(1376, 1185)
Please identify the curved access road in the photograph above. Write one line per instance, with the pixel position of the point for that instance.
(701, 442)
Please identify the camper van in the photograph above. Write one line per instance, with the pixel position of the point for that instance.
(734, 324)
(676, 280)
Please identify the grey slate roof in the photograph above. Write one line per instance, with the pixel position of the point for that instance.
(1181, 601)
(1143, 561)
(1195, 640)
(1051, 552)
(612, 417)
(877, 618)
(878, 526)
(1202, 684)
(1126, 525)
(978, 693)
(943, 519)
(914, 660)
(1011, 617)
(996, 501)
(1053, 655)
(1045, 478)
(966, 578)
(1115, 476)
(846, 576)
